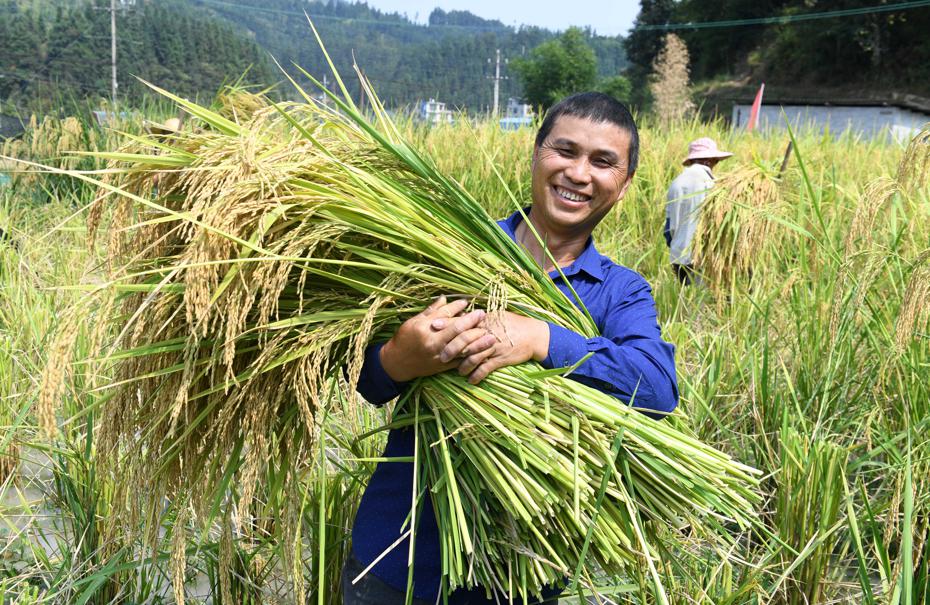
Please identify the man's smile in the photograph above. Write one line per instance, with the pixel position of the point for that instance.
(571, 196)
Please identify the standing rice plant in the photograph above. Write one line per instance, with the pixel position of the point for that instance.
(10, 373)
(468, 165)
(272, 249)
(914, 169)
(238, 565)
(810, 496)
(51, 141)
(863, 257)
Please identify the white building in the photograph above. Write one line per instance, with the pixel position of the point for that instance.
(516, 109)
(870, 121)
(434, 112)
(516, 115)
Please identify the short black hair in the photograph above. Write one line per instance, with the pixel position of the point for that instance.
(597, 107)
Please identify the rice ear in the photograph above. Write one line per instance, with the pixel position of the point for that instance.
(915, 304)
(56, 373)
(863, 258)
(179, 555)
(876, 196)
(914, 169)
(861, 273)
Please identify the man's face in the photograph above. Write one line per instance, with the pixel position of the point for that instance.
(579, 172)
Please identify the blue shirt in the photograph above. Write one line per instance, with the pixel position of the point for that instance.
(629, 356)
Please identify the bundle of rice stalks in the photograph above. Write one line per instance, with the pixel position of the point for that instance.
(736, 226)
(272, 249)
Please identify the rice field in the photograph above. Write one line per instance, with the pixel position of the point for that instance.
(806, 354)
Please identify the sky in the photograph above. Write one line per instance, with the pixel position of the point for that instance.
(609, 18)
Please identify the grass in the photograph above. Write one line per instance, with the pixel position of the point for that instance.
(805, 373)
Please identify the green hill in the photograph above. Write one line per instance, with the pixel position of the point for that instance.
(54, 48)
(51, 51)
(447, 59)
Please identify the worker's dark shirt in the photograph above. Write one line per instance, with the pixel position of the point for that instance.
(629, 356)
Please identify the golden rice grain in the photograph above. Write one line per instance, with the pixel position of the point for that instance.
(915, 305)
(914, 169)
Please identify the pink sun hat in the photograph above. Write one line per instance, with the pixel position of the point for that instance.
(705, 149)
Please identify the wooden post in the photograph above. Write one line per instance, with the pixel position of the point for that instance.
(784, 162)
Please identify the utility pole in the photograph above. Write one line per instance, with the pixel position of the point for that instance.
(113, 51)
(113, 8)
(497, 80)
(324, 98)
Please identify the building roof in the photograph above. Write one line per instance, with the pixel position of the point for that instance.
(720, 99)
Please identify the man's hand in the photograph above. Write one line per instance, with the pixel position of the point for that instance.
(434, 341)
(518, 339)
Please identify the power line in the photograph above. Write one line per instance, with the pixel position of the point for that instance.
(882, 8)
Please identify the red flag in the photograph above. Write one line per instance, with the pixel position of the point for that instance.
(754, 113)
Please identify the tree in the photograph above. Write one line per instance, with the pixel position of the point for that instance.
(21, 59)
(643, 45)
(618, 87)
(670, 92)
(557, 68)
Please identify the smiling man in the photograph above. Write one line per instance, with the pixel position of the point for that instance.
(584, 159)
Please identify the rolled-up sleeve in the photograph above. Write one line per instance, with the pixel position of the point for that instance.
(630, 360)
(374, 384)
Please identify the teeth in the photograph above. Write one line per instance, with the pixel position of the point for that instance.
(571, 196)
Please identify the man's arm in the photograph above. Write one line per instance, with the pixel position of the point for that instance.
(415, 348)
(630, 360)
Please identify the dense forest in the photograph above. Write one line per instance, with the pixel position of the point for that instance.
(50, 51)
(55, 48)
(448, 58)
(850, 44)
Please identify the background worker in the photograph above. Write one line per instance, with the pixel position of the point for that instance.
(683, 203)
(583, 160)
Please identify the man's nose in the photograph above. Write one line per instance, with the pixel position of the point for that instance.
(579, 171)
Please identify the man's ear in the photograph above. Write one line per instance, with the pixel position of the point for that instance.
(623, 189)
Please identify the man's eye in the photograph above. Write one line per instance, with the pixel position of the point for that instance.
(564, 151)
(602, 163)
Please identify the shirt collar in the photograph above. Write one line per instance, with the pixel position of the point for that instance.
(589, 261)
(704, 168)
